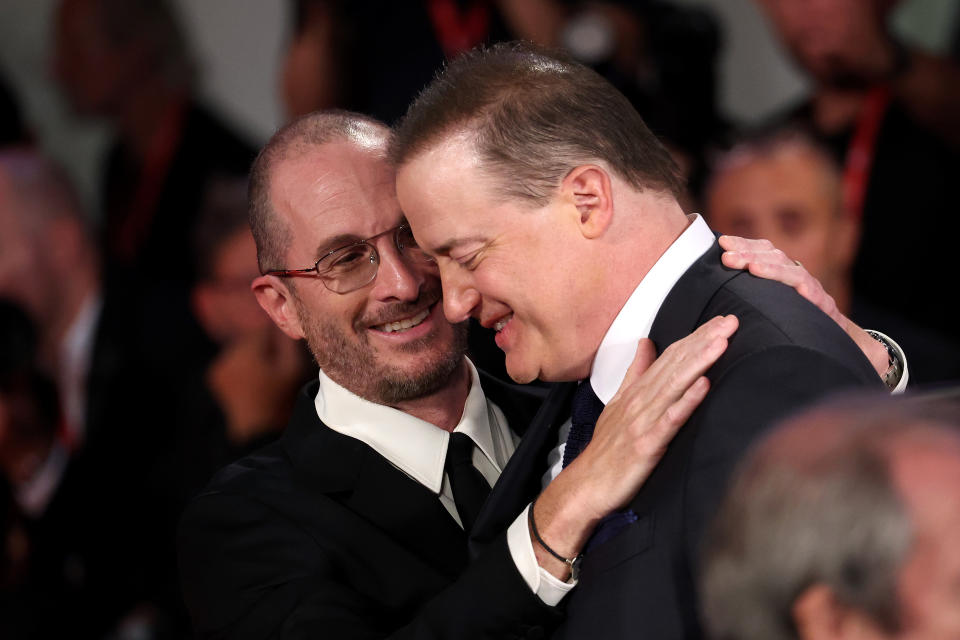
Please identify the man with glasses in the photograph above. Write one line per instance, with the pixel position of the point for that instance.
(356, 522)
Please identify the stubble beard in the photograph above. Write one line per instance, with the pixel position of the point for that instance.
(353, 364)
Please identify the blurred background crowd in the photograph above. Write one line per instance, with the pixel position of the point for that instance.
(135, 360)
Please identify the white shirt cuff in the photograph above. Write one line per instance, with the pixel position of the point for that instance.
(547, 587)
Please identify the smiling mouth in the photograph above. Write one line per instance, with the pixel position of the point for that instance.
(403, 325)
(502, 322)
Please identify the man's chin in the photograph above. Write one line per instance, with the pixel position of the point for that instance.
(521, 372)
(395, 385)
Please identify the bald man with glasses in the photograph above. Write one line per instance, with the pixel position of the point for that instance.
(393, 505)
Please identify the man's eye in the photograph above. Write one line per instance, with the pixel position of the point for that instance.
(348, 259)
(468, 262)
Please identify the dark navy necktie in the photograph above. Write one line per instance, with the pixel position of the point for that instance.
(585, 411)
(470, 488)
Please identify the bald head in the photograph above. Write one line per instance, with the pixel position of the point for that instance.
(35, 189)
(48, 261)
(292, 141)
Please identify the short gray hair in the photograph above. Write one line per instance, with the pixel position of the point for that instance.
(826, 512)
(313, 130)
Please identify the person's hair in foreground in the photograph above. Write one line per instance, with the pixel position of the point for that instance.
(821, 504)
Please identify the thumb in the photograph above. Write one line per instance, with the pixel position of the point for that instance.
(644, 357)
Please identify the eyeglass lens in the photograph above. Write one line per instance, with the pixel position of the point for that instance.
(356, 265)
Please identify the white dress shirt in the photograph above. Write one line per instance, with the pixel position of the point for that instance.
(633, 322)
(635, 319)
(76, 353)
(419, 449)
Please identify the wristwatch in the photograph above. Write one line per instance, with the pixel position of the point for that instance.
(895, 370)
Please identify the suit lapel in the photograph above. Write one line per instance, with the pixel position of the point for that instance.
(520, 481)
(349, 471)
(678, 317)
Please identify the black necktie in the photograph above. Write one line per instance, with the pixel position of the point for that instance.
(586, 408)
(469, 486)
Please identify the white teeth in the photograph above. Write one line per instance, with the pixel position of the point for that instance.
(502, 322)
(402, 325)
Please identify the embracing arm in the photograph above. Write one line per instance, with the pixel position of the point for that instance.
(249, 572)
(631, 435)
(764, 260)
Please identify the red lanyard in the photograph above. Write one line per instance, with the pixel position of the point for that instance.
(458, 33)
(156, 166)
(862, 150)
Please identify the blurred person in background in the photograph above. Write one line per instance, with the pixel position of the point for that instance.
(35, 587)
(100, 498)
(127, 62)
(843, 523)
(786, 187)
(891, 116)
(374, 56)
(663, 58)
(242, 398)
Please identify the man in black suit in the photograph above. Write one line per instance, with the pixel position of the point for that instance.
(348, 525)
(552, 213)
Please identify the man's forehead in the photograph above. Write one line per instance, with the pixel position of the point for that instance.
(336, 192)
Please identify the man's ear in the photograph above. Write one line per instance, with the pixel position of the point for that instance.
(819, 615)
(277, 300)
(588, 188)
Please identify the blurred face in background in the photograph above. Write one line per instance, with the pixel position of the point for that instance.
(223, 301)
(26, 277)
(89, 70)
(830, 39)
(792, 198)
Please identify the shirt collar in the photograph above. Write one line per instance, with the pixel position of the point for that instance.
(76, 353)
(414, 446)
(619, 344)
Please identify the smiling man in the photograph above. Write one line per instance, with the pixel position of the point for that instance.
(553, 216)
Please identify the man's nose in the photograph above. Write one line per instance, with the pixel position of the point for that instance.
(397, 277)
(460, 298)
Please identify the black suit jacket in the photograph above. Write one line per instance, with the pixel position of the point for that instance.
(317, 535)
(785, 354)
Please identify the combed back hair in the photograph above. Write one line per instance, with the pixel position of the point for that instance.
(42, 189)
(272, 234)
(156, 24)
(815, 503)
(533, 115)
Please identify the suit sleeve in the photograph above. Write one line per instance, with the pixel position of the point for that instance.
(245, 576)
